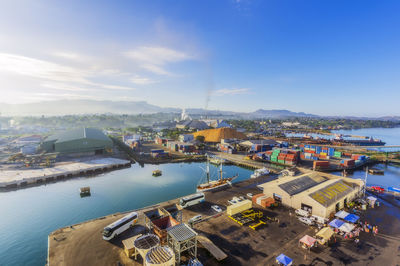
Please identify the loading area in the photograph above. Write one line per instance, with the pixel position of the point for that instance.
(225, 239)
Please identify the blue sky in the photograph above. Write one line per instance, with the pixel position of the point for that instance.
(322, 57)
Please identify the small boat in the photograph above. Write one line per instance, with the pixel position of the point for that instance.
(374, 171)
(157, 173)
(260, 172)
(215, 184)
(84, 191)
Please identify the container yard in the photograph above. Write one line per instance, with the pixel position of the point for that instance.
(252, 232)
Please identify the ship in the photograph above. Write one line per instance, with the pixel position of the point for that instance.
(358, 142)
(215, 184)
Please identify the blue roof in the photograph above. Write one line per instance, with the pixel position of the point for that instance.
(352, 218)
(283, 259)
(336, 223)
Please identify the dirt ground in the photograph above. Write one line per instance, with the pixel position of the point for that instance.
(83, 245)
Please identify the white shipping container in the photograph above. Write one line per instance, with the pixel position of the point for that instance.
(258, 201)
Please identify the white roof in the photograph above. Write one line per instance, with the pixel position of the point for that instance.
(371, 198)
(341, 214)
(346, 227)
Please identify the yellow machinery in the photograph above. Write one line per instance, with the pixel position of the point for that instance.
(260, 222)
(252, 214)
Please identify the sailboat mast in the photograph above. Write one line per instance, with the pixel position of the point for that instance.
(220, 170)
(208, 169)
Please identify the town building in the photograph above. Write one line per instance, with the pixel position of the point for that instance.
(186, 138)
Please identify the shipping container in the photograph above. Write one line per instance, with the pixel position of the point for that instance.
(238, 207)
(255, 197)
(320, 164)
(267, 202)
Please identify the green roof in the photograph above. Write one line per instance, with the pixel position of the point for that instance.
(80, 133)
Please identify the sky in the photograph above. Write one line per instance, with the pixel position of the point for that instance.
(322, 57)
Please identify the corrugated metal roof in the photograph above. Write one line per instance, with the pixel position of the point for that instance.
(330, 194)
(181, 232)
(300, 184)
(80, 133)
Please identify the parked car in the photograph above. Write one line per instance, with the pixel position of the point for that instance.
(216, 208)
(249, 195)
(232, 201)
(303, 213)
(195, 219)
(306, 221)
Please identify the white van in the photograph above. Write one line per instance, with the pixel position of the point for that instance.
(319, 219)
(306, 221)
(303, 213)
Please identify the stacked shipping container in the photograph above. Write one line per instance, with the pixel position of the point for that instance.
(284, 156)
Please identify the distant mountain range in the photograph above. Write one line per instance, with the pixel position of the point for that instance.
(76, 107)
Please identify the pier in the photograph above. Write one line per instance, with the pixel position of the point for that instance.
(13, 179)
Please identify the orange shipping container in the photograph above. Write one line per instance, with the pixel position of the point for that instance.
(255, 197)
(267, 202)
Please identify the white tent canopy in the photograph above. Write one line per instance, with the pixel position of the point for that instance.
(341, 214)
(371, 198)
(346, 227)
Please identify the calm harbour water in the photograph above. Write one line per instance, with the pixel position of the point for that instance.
(29, 215)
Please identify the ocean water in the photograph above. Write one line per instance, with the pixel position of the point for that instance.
(29, 215)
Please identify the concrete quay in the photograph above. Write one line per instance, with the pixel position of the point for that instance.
(12, 179)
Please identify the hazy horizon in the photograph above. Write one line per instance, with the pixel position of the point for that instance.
(331, 58)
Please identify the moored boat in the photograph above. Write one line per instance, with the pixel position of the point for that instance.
(214, 184)
(260, 172)
(157, 173)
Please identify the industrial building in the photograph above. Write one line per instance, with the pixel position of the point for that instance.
(217, 134)
(83, 140)
(319, 193)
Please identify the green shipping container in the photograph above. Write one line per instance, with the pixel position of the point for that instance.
(281, 161)
(274, 159)
(337, 154)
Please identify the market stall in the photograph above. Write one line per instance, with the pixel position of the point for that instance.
(324, 235)
(284, 260)
(307, 242)
(341, 214)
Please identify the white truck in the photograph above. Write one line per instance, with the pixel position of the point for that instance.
(302, 213)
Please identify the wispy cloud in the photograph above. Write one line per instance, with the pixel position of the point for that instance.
(235, 91)
(142, 80)
(155, 58)
(56, 76)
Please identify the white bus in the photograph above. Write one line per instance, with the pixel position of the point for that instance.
(192, 200)
(118, 227)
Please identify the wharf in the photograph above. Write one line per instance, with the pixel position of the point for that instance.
(82, 244)
(11, 179)
(238, 159)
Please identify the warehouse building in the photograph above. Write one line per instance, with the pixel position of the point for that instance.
(319, 193)
(83, 140)
(215, 135)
